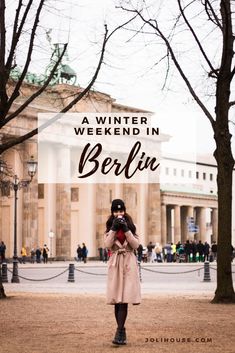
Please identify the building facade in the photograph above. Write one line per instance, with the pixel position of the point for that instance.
(65, 215)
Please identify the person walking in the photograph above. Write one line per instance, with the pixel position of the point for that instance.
(150, 248)
(2, 252)
(45, 252)
(23, 254)
(32, 255)
(123, 283)
(200, 250)
(140, 252)
(206, 251)
(214, 249)
(84, 252)
(158, 252)
(79, 253)
(38, 255)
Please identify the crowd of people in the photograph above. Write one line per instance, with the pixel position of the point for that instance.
(190, 251)
(37, 254)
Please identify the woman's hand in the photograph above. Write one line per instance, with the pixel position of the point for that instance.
(124, 225)
(116, 224)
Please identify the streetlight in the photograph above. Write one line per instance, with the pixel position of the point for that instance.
(16, 185)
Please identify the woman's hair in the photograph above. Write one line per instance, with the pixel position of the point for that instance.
(128, 219)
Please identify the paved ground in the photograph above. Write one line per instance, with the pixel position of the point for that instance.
(175, 315)
(74, 323)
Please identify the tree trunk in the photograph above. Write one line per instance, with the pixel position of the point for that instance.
(2, 292)
(224, 292)
(225, 163)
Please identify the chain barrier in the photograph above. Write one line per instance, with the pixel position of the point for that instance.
(91, 273)
(104, 274)
(42, 279)
(171, 273)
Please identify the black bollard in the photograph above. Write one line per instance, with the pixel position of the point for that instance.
(207, 276)
(4, 273)
(71, 273)
(139, 265)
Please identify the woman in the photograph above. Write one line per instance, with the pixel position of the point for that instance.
(123, 284)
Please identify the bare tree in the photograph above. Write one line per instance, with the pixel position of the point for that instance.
(220, 71)
(10, 89)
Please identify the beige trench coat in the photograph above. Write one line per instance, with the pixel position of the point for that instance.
(123, 284)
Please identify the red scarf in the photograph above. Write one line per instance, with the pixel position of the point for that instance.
(121, 236)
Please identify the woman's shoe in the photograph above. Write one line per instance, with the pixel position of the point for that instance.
(116, 337)
(123, 334)
(120, 337)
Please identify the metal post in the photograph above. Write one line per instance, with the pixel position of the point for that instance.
(4, 273)
(207, 276)
(15, 277)
(139, 265)
(71, 273)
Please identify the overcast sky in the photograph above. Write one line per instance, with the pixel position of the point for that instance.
(127, 75)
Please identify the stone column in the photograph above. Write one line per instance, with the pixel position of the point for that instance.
(91, 243)
(87, 219)
(29, 201)
(177, 228)
(51, 218)
(143, 213)
(190, 213)
(118, 191)
(202, 223)
(154, 213)
(214, 221)
(168, 224)
(63, 220)
(63, 204)
(163, 224)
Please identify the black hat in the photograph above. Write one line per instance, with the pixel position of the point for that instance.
(118, 205)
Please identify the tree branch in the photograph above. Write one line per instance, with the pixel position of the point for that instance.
(15, 141)
(28, 59)
(176, 62)
(215, 19)
(36, 94)
(16, 34)
(3, 75)
(196, 39)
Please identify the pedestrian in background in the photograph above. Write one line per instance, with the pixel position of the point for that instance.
(45, 252)
(84, 252)
(2, 252)
(140, 252)
(150, 248)
(23, 254)
(101, 253)
(214, 250)
(123, 283)
(38, 255)
(200, 250)
(206, 251)
(32, 255)
(79, 253)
